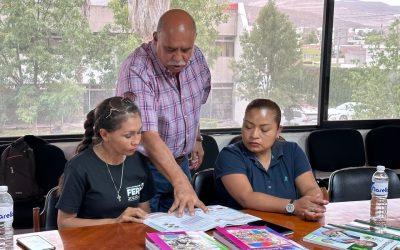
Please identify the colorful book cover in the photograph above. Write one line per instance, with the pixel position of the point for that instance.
(254, 237)
(344, 238)
(195, 240)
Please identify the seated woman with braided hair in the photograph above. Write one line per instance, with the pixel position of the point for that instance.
(107, 181)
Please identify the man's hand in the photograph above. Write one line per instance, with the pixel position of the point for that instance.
(186, 198)
(197, 156)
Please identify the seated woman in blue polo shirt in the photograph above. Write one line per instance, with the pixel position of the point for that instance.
(264, 173)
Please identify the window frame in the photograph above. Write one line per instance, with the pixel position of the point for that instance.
(323, 99)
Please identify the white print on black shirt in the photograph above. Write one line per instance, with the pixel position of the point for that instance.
(133, 192)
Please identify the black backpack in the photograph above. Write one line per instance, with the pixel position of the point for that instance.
(18, 171)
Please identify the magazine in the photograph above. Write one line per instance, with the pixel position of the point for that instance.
(182, 240)
(254, 237)
(345, 238)
(217, 216)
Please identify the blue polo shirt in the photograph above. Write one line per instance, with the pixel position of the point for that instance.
(287, 163)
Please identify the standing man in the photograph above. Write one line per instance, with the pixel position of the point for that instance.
(170, 80)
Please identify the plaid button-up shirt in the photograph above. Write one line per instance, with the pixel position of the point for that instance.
(174, 114)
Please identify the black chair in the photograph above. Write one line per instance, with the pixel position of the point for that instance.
(211, 152)
(47, 218)
(333, 149)
(382, 146)
(204, 186)
(353, 184)
(235, 139)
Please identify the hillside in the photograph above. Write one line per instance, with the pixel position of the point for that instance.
(348, 13)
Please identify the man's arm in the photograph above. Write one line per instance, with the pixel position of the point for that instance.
(162, 158)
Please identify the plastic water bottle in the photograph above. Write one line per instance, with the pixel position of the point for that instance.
(379, 193)
(6, 219)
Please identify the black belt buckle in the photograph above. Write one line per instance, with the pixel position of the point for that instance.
(180, 159)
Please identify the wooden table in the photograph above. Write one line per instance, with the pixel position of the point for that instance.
(131, 236)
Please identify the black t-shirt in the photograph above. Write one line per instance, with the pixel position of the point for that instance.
(89, 191)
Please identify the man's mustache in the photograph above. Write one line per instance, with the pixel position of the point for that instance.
(173, 63)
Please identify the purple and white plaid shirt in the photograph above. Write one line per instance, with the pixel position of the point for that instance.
(174, 114)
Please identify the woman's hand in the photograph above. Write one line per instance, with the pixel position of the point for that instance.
(311, 208)
(132, 214)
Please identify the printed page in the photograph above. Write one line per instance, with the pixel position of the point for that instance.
(224, 216)
(217, 216)
(347, 239)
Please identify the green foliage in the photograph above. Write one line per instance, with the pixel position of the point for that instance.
(268, 66)
(208, 14)
(377, 85)
(310, 38)
(341, 87)
(46, 50)
(42, 43)
(121, 14)
(58, 101)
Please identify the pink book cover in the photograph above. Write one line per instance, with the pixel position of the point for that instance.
(257, 237)
(183, 240)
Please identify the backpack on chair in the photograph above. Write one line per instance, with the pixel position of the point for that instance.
(18, 171)
(39, 164)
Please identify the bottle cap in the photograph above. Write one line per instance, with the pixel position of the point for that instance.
(380, 168)
(3, 188)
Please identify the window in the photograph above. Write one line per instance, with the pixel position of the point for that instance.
(365, 68)
(56, 65)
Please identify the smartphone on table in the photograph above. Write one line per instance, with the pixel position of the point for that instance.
(278, 228)
(34, 242)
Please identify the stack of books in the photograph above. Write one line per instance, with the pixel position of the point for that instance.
(236, 238)
(254, 237)
(191, 240)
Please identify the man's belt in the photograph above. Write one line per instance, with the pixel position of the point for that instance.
(180, 159)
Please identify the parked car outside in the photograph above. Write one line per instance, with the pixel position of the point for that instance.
(306, 116)
(344, 111)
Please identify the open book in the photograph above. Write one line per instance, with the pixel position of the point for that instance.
(217, 216)
(345, 238)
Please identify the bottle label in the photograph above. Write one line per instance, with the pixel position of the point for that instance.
(6, 214)
(380, 188)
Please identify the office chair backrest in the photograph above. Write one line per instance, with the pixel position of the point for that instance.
(211, 152)
(235, 139)
(204, 186)
(382, 146)
(353, 184)
(333, 149)
(47, 218)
